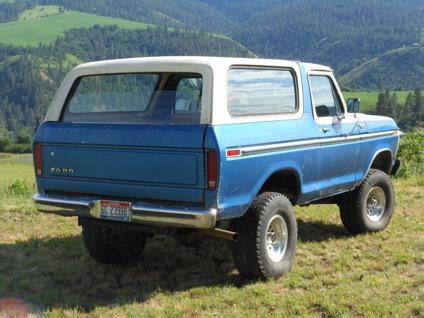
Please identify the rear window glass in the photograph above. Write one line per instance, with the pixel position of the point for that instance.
(136, 98)
(261, 92)
(111, 93)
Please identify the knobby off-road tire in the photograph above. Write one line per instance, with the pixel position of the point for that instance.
(369, 208)
(267, 237)
(108, 245)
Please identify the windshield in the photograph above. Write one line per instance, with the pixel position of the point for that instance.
(149, 98)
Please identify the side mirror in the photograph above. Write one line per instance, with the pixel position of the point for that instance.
(353, 105)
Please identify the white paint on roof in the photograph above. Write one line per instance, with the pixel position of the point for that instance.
(213, 70)
(316, 67)
(102, 66)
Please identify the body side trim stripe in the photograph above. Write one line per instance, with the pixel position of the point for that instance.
(248, 150)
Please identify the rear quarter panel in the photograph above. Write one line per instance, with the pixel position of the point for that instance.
(241, 178)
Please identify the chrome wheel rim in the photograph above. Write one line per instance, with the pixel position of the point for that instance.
(376, 204)
(276, 238)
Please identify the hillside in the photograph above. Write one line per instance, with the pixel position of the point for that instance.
(193, 14)
(402, 67)
(10, 9)
(32, 31)
(241, 10)
(343, 34)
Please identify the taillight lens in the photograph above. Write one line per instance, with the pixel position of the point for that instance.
(212, 163)
(38, 159)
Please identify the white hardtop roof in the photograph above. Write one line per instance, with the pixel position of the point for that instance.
(193, 60)
(212, 68)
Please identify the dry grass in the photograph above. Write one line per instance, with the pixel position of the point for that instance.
(43, 261)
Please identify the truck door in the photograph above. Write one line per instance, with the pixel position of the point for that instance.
(338, 155)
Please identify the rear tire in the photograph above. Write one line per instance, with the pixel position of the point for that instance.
(107, 245)
(369, 208)
(267, 237)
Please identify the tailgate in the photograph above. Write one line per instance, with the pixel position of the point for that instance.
(158, 162)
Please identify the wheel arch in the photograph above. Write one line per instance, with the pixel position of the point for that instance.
(286, 181)
(382, 160)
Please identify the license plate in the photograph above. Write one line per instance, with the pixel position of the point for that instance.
(113, 210)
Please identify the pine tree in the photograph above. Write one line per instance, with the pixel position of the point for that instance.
(5, 138)
(398, 111)
(380, 108)
(418, 106)
(409, 105)
(392, 106)
(384, 107)
(407, 118)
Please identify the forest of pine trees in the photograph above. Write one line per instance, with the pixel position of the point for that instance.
(409, 115)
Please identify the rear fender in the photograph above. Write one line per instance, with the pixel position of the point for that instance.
(235, 197)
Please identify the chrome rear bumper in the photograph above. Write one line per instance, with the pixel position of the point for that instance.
(145, 213)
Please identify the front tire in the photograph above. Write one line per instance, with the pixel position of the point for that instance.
(370, 207)
(107, 245)
(267, 237)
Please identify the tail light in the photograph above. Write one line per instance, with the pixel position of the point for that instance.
(212, 164)
(38, 160)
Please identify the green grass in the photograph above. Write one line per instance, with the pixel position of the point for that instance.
(44, 263)
(47, 29)
(12, 168)
(369, 99)
(39, 12)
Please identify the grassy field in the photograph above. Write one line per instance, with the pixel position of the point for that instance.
(369, 99)
(39, 12)
(43, 262)
(33, 28)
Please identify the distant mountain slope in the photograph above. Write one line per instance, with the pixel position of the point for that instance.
(187, 13)
(400, 68)
(31, 31)
(341, 33)
(10, 10)
(241, 10)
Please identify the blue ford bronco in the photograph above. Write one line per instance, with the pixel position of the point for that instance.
(222, 147)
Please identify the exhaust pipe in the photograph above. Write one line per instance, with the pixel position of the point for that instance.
(220, 233)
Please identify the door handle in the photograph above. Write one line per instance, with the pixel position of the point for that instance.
(325, 130)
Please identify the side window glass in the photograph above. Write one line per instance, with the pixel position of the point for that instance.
(324, 96)
(261, 92)
(188, 95)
